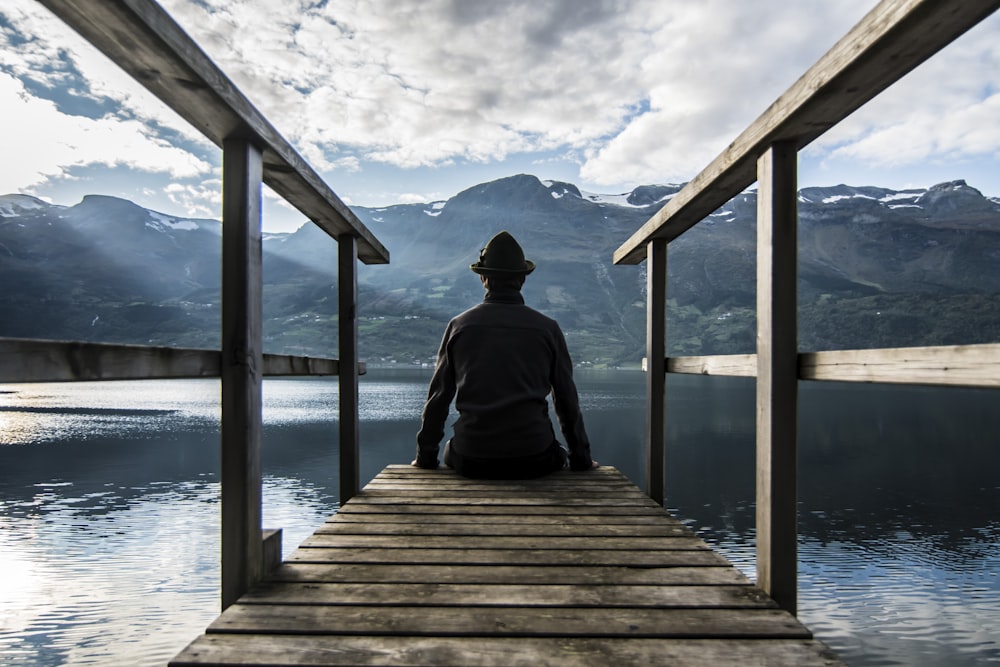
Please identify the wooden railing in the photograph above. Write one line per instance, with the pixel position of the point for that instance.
(144, 41)
(895, 37)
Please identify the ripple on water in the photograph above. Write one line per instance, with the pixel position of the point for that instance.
(79, 568)
(903, 600)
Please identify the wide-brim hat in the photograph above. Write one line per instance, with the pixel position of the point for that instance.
(502, 256)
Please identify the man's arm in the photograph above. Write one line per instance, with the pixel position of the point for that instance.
(567, 406)
(439, 395)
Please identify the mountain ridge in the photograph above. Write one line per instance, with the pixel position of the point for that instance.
(878, 267)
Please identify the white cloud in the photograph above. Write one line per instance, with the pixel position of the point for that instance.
(644, 91)
(201, 199)
(412, 198)
(67, 109)
(715, 66)
(54, 56)
(947, 109)
(48, 144)
(634, 91)
(418, 84)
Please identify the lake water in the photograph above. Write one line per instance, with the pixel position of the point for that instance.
(109, 509)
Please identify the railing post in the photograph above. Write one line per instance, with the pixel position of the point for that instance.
(242, 549)
(347, 280)
(777, 374)
(656, 365)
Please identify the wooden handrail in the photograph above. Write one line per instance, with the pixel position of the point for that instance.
(35, 360)
(141, 38)
(946, 365)
(891, 40)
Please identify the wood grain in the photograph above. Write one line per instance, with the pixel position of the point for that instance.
(566, 584)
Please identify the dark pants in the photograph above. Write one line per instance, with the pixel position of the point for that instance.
(525, 467)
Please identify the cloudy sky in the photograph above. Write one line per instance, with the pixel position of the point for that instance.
(397, 101)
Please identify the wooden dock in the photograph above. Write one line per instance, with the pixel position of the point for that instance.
(424, 567)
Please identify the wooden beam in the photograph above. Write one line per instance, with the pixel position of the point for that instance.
(943, 366)
(242, 321)
(141, 38)
(777, 375)
(892, 39)
(347, 280)
(656, 346)
(735, 365)
(271, 550)
(32, 360)
(954, 365)
(28, 360)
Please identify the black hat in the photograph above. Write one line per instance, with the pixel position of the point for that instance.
(502, 256)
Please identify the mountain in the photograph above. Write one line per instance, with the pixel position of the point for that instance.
(877, 268)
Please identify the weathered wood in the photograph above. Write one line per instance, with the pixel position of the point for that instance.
(956, 365)
(508, 510)
(496, 542)
(510, 621)
(288, 366)
(945, 366)
(382, 651)
(510, 595)
(550, 557)
(777, 374)
(526, 522)
(735, 365)
(583, 480)
(141, 38)
(427, 489)
(513, 501)
(892, 39)
(474, 527)
(242, 322)
(720, 574)
(30, 360)
(564, 494)
(406, 580)
(447, 474)
(35, 360)
(271, 549)
(656, 350)
(347, 340)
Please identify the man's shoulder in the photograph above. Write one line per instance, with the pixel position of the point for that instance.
(468, 314)
(493, 314)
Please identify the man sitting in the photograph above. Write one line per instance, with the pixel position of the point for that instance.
(500, 360)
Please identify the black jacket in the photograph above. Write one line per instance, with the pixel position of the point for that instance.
(500, 360)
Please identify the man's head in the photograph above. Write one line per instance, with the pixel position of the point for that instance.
(503, 258)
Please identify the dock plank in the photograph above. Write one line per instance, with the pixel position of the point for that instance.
(506, 541)
(498, 509)
(552, 528)
(536, 594)
(564, 557)
(720, 574)
(424, 567)
(385, 651)
(508, 621)
(624, 522)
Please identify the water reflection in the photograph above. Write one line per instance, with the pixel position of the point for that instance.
(898, 489)
(109, 503)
